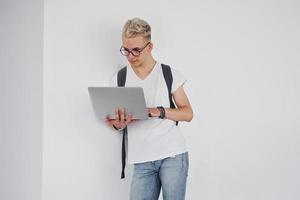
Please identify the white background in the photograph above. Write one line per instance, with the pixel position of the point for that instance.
(241, 59)
(21, 98)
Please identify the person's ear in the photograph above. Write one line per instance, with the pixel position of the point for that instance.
(150, 46)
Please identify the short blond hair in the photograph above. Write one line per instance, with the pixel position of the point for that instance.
(136, 27)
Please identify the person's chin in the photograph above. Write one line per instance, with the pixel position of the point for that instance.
(134, 62)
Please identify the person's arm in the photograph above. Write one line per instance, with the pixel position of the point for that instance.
(183, 112)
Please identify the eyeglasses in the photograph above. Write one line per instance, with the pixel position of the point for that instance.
(135, 51)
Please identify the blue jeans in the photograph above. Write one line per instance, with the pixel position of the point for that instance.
(169, 174)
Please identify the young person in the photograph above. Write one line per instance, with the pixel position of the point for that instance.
(156, 146)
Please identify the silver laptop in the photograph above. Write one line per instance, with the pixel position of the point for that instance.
(105, 100)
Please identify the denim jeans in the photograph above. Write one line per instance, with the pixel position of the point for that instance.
(169, 174)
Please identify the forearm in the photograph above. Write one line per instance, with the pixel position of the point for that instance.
(184, 113)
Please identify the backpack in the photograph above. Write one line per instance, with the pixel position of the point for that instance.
(121, 80)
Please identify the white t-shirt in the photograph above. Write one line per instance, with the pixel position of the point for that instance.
(153, 139)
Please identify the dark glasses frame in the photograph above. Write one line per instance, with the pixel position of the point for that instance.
(135, 51)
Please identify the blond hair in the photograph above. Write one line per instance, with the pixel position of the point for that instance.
(136, 27)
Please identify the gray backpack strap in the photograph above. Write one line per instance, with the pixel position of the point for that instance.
(121, 83)
(169, 81)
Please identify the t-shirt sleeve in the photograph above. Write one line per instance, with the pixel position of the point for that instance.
(113, 80)
(178, 80)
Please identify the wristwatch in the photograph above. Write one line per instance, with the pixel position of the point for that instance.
(162, 112)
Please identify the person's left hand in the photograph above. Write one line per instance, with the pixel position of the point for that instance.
(121, 119)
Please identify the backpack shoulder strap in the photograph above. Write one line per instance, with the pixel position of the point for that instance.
(122, 77)
(169, 81)
(121, 83)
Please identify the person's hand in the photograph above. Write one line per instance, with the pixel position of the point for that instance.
(121, 120)
(153, 112)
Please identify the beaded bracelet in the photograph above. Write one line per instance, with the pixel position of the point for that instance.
(117, 128)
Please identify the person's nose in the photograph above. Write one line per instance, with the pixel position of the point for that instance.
(130, 56)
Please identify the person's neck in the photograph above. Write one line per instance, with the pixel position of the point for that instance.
(145, 68)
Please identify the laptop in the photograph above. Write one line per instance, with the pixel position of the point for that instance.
(105, 100)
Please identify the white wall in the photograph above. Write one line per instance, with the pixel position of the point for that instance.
(21, 45)
(242, 62)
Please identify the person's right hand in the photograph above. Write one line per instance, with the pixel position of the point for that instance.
(121, 120)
